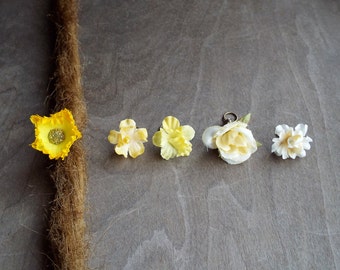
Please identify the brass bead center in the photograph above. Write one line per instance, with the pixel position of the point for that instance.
(56, 136)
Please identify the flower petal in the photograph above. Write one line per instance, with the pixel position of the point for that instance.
(35, 119)
(167, 151)
(114, 136)
(230, 126)
(127, 123)
(302, 153)
(234, 158)
(170, 123)
(158, 139)
(281, 128)
(306, 144)
(284, 152)
(208, 137)
(182, 146)
(122, 149)
(188, 132)
(303, 128)
(275, 146)
(136, 149)
(291, 153)
(141, 134)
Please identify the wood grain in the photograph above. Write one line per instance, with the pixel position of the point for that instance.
(197, 59)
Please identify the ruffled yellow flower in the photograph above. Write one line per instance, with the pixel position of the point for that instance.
(129, 140)
(55, 135)
(173, 138)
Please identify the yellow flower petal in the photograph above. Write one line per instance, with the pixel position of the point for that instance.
(113, 137)
(188, 132)
(141, 134)
(127, 123)
(136, 149)
(157, 138)
(170, 123)
(168, 151)
(122, 150)
(182, 146)
(35, 119)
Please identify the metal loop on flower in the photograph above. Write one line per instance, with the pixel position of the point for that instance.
(234, 141)
(229, 117)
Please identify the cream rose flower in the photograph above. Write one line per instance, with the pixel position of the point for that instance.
(291, 143)
(234, 141)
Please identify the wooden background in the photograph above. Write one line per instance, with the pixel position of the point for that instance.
(279, 60)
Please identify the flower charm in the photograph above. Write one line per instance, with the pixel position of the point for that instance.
(173, 138)
(291, 143)
(234, 141)
(129, 139)
(55, 135)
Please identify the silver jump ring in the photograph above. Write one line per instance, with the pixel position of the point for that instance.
(229, 117)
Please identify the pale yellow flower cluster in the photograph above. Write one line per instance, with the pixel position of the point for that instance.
(172, 138)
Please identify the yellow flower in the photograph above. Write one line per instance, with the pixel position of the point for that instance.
(129, 139)
(173, 138)
(55, 135)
